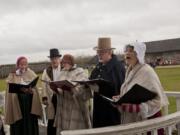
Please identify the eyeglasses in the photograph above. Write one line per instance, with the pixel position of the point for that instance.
(65, 62)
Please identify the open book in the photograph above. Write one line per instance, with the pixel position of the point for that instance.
(16, 87)
(63, 84)
(136, 95)
(98, 81)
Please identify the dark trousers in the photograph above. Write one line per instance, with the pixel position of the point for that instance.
(51, 130)
(2, 131)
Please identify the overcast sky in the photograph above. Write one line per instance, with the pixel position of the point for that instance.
(32, 27)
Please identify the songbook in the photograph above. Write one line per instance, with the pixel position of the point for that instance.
(136, 95)
(16, 87)
(98, 81)
(63, 84)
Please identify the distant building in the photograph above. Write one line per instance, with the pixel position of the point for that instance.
(163, 52)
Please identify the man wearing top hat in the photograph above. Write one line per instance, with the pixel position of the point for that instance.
(108, 68)
(48, 96)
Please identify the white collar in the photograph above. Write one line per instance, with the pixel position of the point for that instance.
(19, 72)
(58, 68)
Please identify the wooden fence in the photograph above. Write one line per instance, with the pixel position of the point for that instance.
(37, 67)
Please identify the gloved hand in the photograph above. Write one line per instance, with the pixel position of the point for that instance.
(45, 100)
(60, 91)
(94, 87)
(116, 98)
(78, 89)
(131, 108)
(27, 90)
(53, 87)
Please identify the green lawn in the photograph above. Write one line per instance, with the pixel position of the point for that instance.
(169, 77)
(2, 84)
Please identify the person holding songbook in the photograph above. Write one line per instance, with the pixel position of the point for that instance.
(72, 108)
(49, 98)
(22, 109)
(111, 69)
(143, 76)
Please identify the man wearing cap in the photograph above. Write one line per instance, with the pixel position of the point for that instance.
(48, 96)
(108, 68)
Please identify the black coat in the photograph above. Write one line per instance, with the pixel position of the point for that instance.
(104, 114)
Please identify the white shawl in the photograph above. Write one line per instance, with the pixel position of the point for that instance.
(145, 76)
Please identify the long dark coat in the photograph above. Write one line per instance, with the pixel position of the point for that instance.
(104, 114)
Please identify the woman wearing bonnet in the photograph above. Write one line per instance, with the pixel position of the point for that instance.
(22, 110)
(140, 73)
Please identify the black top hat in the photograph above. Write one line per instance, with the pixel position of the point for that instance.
(54, 53)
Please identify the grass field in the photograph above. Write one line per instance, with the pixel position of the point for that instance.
(2, 84)
(170, 79)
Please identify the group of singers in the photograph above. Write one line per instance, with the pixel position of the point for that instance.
(69, 110)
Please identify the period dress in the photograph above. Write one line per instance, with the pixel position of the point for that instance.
(145, 76)
(22, 110)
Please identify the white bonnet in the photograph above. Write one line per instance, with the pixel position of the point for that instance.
(140, 49)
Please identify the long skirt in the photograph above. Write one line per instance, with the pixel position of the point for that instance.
(28, 125)
(161, 130)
